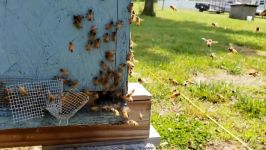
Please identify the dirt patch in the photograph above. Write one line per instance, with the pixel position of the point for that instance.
(250, 52)
(240, 80)
(224, 146)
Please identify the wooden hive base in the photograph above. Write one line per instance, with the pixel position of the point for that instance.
(60, 135)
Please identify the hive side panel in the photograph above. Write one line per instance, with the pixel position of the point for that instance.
(123, 39)
(34, 38)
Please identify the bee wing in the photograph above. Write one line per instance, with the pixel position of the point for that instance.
(204, 39)
(215, 42)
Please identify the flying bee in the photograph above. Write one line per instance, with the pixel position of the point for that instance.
(97, 43)
(73, 83)
(125, 111)
(257, 29)
(106, 37)
(22, 91)
(140, 80)
(132, 18)
(78, 21)
(173, 7)
(89, 46)
(71, 47)
(64, 72)
(114, 36)
(51, 97)
(128, 97)
(213, 56)
(130, 7)
(109, 25)
(119, 24)
(95, 81)
(140, 116)
(95, 108)
(214, 24)
(231, 49)
(132, 123)
(109, 56)
(90, 15)
(220, 96)
(209, 42)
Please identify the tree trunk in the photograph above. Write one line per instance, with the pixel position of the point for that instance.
(149, 8)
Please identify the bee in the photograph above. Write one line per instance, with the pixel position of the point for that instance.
(109, 25)
(106, 108)
(51, 97)
(110, 74)
(97, 43)
(128, 97)
(175, 95)
(132, 123)
(109, 56)
(214, 24)
(231, 49)
(130, 64)
(95, 108)
(103, 65)
(64, 72)
(95, 81)
(173, 7)
(257, 29)
(140, 116)
(130, 7)
(187, 82)
(71, 47)
(78, 21)
(72, 83)
(115, 111)
(174, 82)
(140, 80)
(22, 91)
(89, 46)
(93, 29)
(114, 36)
(106, 37)
(92, 35)
(95, 95)
(213, 56)
(209, 42)
(132, 18)
(105, 83)
(138, 21)
(90, 15)
(220, 96)
(125, 111)
(119, 24)
(254, 74)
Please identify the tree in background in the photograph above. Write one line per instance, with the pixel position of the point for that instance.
(149, 8)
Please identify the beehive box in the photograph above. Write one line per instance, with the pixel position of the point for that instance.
(35, 37)
(40, 37)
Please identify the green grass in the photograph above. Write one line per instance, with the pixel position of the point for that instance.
(170, 45)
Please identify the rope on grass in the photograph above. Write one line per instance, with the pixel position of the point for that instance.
(221, 126)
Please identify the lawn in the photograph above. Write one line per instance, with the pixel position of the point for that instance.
(170, 46)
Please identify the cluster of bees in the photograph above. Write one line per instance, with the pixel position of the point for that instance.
(93, 39)
(108, 78)
(134, 17)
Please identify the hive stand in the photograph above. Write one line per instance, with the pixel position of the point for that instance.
(90, 134)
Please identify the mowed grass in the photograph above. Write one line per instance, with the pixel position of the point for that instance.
(170, 46)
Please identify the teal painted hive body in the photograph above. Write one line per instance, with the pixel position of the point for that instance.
(35, 36)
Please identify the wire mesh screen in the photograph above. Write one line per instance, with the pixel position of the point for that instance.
(28, 100)
(71, 102)
(8, 80)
